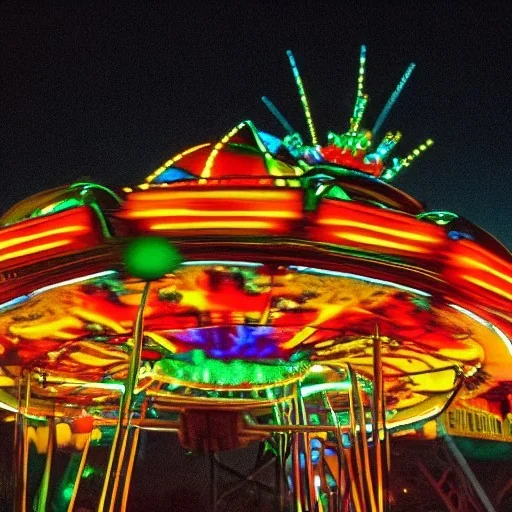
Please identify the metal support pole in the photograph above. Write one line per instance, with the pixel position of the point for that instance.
(377, 407)
(79, 473)
(125, 405)
(464, 466)
(45, 481)
(21, 491)
(359, 482)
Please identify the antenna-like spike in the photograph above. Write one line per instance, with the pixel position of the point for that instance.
(387, 144)
(400, 163)
(303, 98)
(416, 152)
(362, 67)
(392, 100)
(277, 114)
(361, 98)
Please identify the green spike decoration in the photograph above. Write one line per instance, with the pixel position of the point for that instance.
(361, 99)
(303, 97)
(350, 150)
(398, 164)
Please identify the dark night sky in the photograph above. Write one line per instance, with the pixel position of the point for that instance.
(108, 91)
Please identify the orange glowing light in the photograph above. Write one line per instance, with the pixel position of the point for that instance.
(249, 195)
(370, 240)
(186, 212)
(35, 249)
(245, 224)
(487, 286)
(470, 262)
(381, 229)
(29, 238)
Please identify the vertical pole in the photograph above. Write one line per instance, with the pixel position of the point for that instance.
(45, 482)
(79, 473)
(297, 482)
(17, 459)
(280, 461)
(377, 407)
(119, 467)
(306, 442)
(303, 446)
(364, 442)
(131, 461)
(355, 442)
(110, 463)
(126, 404)
(21, 497)
(386, 444)
(341, 476)
(355, 491)
(468, 473)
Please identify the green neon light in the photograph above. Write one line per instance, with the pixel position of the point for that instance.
(303, 97)
(361, 99)
(59, 206)
(439, 217)
(151, 257)
(87, 185)
(204, 370)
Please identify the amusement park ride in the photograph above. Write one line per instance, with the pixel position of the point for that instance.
(255, 290)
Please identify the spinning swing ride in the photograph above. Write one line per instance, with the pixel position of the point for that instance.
(253, 290)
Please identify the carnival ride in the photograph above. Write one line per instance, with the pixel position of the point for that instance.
(305, 303)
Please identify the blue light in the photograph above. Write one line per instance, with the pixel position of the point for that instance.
(232, 342)
(459, 235)
(14, 302)
(273, 144)
(172, 174)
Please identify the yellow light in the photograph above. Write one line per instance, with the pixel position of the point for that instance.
(97, 318)
(37, 248)
(44, 234)
(48, 209)
(163, 342)
(279, 195)
(488, 286)
(380, 229)
(90, 360)
(369, 240)
(250, 224)
(167, 164)
(186, 212)
(476, 264)
(55, 329)
(299, 337)
(207, 171)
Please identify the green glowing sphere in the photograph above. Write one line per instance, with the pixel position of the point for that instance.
(150, 258)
